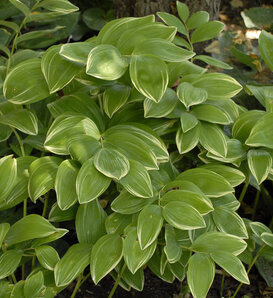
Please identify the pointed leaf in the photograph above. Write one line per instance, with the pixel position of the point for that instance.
(266, 48)
(213, 139)
(265, 139)
(9, 261)
(134, 256)
(89, 222)
(21, 6)
(259, 228)
(200, 274)
(115, 223)
(149, 225)
(212, 242)
(72, 264)
(58, 72)
(149, 75)
(58, 215)
(29, 227)
(163, 49)
(183, 11)
(211, 184)
(105, 62)
(30, 83)
(183, 216)
(188, 121)
(76, 52)
(65, 184)
(137, 181)
(47, 256)
(34, 285)
(212, 61)
(114, 98)
(8, 165)
(207, 31)
(4, 227)
(90, 183)
(267, 238)
(172, 249)
(106, 254)
(231, 265)
(197, 19)
(185, 142)
(172, 20)
(260, 163)
(190, 95)
(42, 173)
(60, 6)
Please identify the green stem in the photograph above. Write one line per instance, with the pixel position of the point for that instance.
(222, 283)
(84, 279)
(33, 262)
(242, 195)
(100, 103)
(117, 281)
(257, 197)
(249, 268)
(13, 278)
(45, 206)
(271, 224)
(77, 286)
(19, 141)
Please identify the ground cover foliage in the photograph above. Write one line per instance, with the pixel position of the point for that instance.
(125, 142)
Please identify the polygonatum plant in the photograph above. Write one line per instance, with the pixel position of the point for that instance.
(120, 153)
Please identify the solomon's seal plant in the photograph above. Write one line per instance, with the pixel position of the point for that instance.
(139, 148)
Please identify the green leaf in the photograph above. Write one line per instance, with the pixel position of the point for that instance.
(5, 50)
(105, 62)
(267, 238)
(9, 261)
(10, 25)
(149, 75)
(90, 183)
(54, 236)
(114, 98)
(134, 256)
(266, 48)
(232, 175)
(8, 165)
(132, 147)
(260, 163)
(42, 173)
(197, 19)
(189, 95)
(195, 200)
(163, 107)
(149, 225)
(47, 256)
(34, 285)
(183, 216)
(217, 85)
(211, 113)
(17, 291)
(212, 61)
(111, 163)
(172, 20)
(4, 227)
(60, 6)
(72, 264)
(137, 181)
(213, 139)
(21, 119)
(82, 147)
(231, 265)
(207, 31)
(126, 203)
(188, 121)
(58, 72)
(201, 272)
(89, 222)
(65, 184)
(163, 49)
(65, 127)
(185, 142)
(29, 227)
(76, 52)
(211, 184)
(136, 281)
(21, 6)
(116, 223)
(30, 83)
(106, 254)
(230, 222)
(264, 139)
(58, 215)
(217, 242)
(95, 18)
(183, 11)
(259, 228)
(172, 249)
